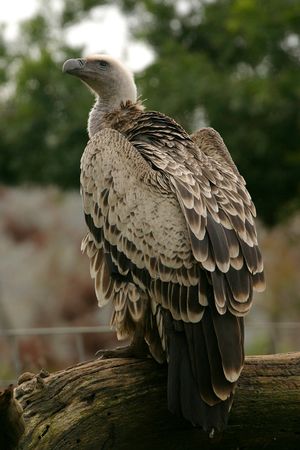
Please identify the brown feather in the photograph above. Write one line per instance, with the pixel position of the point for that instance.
(219, 244)
(230, 343)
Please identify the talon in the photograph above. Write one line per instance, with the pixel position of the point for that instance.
(102, 354)
(132, 351)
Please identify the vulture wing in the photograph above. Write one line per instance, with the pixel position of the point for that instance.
(173, 243)
(137, 234)
(211, 143)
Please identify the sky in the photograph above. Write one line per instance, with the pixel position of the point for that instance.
(106, 31)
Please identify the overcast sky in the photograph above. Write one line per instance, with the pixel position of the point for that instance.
(106, 31)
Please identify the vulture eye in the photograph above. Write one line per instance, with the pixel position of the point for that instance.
(103, 64)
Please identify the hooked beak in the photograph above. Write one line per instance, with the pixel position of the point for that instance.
(74, 66)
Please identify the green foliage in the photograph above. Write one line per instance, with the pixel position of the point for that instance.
(230, 64)
(43, 118)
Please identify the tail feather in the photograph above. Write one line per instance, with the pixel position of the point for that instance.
(198, 389)
(198, 355)
(229, 331)
(220, 385)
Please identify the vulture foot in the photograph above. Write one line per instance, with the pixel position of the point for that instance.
(136, 349)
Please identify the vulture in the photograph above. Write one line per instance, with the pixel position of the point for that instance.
(171, 241)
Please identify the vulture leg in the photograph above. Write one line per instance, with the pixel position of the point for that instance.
(136, 349)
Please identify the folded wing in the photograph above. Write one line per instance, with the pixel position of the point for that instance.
(172, 242)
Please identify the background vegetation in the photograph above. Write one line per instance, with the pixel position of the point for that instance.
(230, 64)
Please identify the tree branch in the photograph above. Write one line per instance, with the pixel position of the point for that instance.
(121, 404)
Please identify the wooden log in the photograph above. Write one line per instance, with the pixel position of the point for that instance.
(121, 404)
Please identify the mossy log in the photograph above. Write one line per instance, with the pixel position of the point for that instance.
(121, 404)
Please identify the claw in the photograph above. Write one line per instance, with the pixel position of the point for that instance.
(131, 351)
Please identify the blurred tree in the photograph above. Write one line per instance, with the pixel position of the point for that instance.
(230, 64)
(43, 115)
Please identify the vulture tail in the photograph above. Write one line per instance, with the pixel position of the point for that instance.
(199, 358)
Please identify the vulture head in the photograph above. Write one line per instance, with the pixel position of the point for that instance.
(107, 78)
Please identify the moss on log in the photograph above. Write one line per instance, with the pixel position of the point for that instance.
(121, 404)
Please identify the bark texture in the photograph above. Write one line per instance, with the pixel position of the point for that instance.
(121, 404)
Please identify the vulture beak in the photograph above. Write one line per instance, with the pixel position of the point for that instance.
(74, 67)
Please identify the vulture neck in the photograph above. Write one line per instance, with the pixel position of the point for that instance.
(98, 117)
(96, 120)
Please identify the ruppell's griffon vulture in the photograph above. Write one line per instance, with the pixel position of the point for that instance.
(171, 241)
